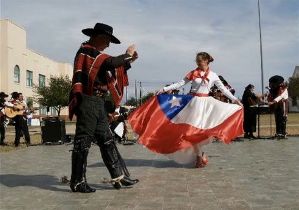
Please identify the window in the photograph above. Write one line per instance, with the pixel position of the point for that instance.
(29, 78)
(41, 80)
(16, 75)
(42, 110)
(53, 111)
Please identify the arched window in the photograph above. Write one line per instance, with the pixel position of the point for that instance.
(16, 74)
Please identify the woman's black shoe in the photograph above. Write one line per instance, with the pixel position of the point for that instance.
(251, 136)
(281, 136)
(246, 136)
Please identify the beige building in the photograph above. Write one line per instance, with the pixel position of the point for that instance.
(21, 68)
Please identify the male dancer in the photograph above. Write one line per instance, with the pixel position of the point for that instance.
(95, 73)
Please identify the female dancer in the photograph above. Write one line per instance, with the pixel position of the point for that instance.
(209, 118)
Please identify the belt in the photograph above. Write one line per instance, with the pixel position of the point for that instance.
(99, 93)
(200, 94)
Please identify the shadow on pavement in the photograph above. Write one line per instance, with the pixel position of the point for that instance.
(146, 163)
(46, 182)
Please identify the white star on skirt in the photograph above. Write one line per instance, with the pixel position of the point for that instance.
(175, 102)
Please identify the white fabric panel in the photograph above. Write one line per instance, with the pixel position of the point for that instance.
(188, 156)
(119, 130)
(206, 113)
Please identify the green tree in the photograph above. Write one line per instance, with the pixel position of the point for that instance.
(56, 94)
(293, 88)
(134, 102)
(131, 102)
(147, 96)
(29, 102)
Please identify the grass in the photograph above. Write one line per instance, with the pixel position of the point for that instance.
(9, 140)
(267, 123)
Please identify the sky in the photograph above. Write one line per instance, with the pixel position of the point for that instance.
(169, 33)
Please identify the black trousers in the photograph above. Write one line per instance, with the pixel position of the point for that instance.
(249, 123)
(93, 126)
(280, 118)
(2, 130)
(21, 127)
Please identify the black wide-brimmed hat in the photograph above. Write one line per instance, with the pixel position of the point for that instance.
(15, 95)
(276, 79)
(3, 95)
(101, 28)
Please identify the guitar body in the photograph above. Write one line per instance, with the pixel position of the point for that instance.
(252, 102)
(277, 92)
(11, 113)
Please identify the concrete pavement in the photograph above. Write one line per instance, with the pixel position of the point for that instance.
(260, 174)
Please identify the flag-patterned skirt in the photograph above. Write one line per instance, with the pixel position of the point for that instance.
(174, 124)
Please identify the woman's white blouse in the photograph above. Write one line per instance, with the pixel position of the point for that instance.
(203, 87)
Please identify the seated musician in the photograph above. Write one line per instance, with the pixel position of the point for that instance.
(116, 115)
(249, 100)
(278, 101)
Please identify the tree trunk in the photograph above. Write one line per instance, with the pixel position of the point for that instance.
(58, 111)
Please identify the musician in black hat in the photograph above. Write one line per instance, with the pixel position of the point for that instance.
(96, 73)
(2, 117)
(278, 100)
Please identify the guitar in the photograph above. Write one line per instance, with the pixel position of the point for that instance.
(273, 104)
(252, 101)
(12, 112)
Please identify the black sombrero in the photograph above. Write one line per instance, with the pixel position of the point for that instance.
(3, 95)
(101, 28)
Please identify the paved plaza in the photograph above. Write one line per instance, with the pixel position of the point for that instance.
(260, 174)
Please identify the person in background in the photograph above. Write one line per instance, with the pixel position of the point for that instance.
(249, 100)
(21, 126)
(3, 104)
(217, 94)
(279, 102)
(174, 92)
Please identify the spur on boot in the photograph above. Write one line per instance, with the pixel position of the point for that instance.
(123, 181)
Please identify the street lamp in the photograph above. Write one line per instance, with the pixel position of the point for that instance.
(261, 46)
